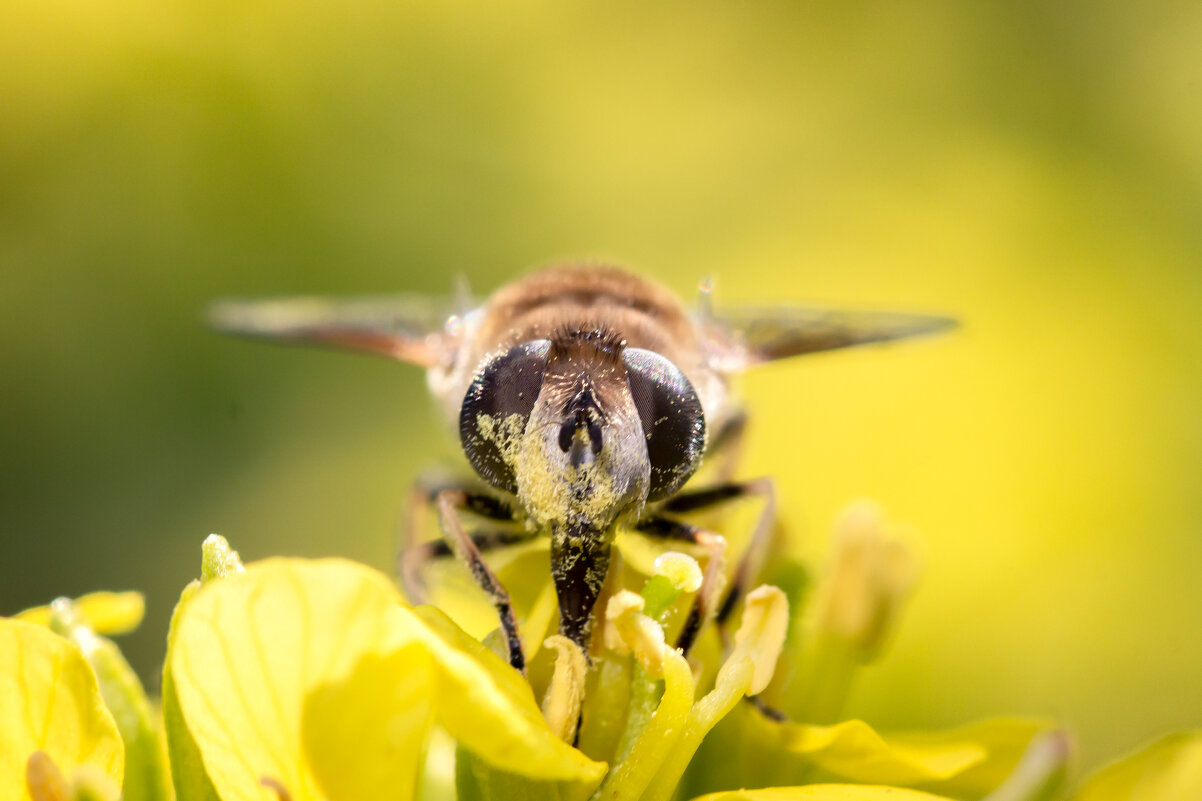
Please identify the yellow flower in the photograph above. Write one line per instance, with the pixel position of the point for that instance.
(312, 680)
(315, 678)
(1169, 769)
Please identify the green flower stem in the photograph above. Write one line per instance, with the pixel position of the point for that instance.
(605, 723)
(645, 694)
(145, 760)
(823, 681)
(631, 776)
(733, 682)
(659, 593)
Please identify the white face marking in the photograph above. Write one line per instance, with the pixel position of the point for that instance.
(611, 484)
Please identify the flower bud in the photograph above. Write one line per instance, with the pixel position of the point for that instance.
(871, 572)
(218, 558)
(762, 633)
(1042, 772)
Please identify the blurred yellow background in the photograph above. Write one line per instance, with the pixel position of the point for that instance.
(1033, 168)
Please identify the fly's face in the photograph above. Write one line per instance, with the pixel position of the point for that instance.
(581, 428)
(583, 431)
(583, 461)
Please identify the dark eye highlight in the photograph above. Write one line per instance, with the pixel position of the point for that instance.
(496, 408)
(672, 419)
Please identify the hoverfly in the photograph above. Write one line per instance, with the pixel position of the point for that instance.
(585, 397)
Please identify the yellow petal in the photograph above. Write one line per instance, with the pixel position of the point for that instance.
(188, 775)
(364, 736)
(852, 749)
(536, 625)
(250, 647)
(490, 709)
(823, 792)
(1169, 769)
(49, 701)
(974, 758)
(1004, 741)
(108, 613)
(90, 784)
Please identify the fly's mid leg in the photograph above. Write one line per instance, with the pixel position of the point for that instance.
(713, 599)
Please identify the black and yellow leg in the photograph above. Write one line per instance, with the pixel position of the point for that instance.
(413, 555)
(753, 554)
(412, 560)
(749, 563)
(449, 501)
(705, 602)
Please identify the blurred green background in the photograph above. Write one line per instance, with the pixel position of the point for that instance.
(1034, 168)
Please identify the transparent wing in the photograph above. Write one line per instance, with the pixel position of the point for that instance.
(743, 337)
(421, 330)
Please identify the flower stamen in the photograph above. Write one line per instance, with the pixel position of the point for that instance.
(276, 786)
(44, 780)
(565, 696)
(628, 630)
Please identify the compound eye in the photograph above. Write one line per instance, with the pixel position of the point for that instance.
(672, 419)
(496, 408)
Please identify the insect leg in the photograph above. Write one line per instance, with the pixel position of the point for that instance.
(705, 602)
(413, 555)
(449, 502)
(413, 559)
(753, 554)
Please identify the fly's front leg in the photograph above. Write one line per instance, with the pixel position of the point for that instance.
(449, 502)
(413, 555)
(708, 593)
(413, 559)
